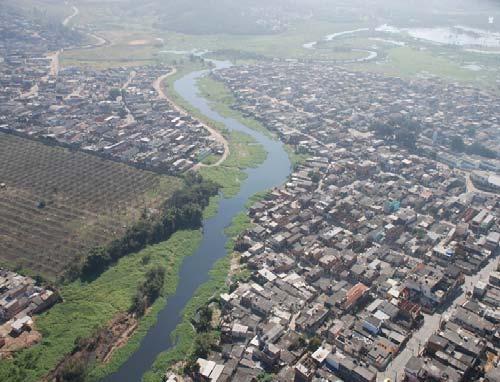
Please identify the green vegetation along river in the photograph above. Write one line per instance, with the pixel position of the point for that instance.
(195, 269)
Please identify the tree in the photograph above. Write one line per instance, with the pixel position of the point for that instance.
(383, 130)
(406, 137)
(457, 144)
(265, 377)
(146, 259)
(114, 93)
(471, 132)
(152, 286)
(204, 319)
(138, 305)
(148, 291)
(122, 113)
(74, 371)
(203, 344)
(479, 149)
(299, 343)
(314, 343)
(191, 366)
(96, 260)
(241, 245)
(315, 177)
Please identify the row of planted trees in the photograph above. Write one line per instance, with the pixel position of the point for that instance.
(184, 210)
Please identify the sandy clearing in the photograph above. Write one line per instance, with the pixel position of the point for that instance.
(139, 42)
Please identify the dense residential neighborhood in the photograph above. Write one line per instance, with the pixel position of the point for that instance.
(377, 259)
(115, 113)
(293, 98)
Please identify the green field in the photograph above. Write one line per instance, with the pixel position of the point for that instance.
(412, 62)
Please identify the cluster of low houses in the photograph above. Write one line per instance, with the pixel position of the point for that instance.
(468, 338)
(20, 299)
(349, 257)
(114, 112)
(313, 99)
(26, 48)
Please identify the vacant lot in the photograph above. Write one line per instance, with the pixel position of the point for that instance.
(56, 204)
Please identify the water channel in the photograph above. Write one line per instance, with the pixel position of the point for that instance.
(195, 269)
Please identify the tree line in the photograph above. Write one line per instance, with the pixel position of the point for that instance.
(457, 144)
(148, 291)
(184, 210)
(405, 132)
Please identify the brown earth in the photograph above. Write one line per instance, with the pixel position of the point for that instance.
(23, 341)
(100, 347)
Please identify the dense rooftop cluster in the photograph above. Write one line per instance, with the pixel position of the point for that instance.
(115, 112)
(424, 114)
(20, 298)
(26, 40)
(370, 251)
(468, 337)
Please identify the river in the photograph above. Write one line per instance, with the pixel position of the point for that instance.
(195, 269)
(370, 53)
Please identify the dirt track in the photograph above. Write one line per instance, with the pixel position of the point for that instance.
(215, 134)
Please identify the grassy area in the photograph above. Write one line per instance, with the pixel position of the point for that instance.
(222, 100)
(295, 158)
(244, 153)
(110, 56)
(411, 62)
(88, 306)
(212, 208)
(288, 44)
(211, 159)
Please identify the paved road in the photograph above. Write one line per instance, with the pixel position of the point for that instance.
(130, 117)
(473, 189)
(395, 370)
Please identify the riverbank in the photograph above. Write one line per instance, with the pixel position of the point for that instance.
(220, 276)
(210, 260)
(228, 267)
(111, 294)
(223, 101)
(184, 244)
